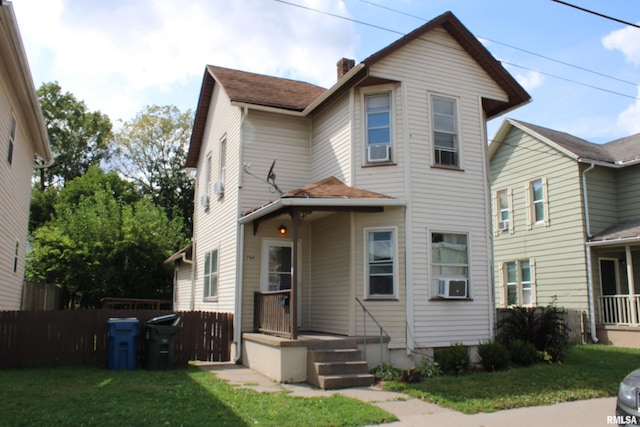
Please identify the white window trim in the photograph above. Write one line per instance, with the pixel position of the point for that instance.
(211, 298)
(498, 211)
(531, 222)
(394, 236)
(433, 288)
(459, 165)
(222, 161)
(519, 282)
(378, 90)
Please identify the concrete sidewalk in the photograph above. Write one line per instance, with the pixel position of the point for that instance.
(414, 412)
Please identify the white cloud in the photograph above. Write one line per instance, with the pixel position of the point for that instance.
(530, 80)
(626, 40)
(629, 119)
(112, 54)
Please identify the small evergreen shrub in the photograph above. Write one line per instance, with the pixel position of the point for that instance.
(453, 360)
(494, 356)
(522, 353)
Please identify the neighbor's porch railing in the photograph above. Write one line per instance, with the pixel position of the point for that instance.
(619, 309)
(271, 313)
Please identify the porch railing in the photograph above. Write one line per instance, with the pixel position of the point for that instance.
(271, 313)
(619, 309)
(383, 333)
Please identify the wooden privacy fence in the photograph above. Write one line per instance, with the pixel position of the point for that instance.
(79, 337)
(574, 319)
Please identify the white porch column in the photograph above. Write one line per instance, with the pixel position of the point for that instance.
(631, 285)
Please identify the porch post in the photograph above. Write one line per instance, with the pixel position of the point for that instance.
(293, 304)
(631, 284)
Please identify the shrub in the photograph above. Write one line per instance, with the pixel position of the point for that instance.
(429, 369)
(543, 327)
(494, 356)
(453, 360)
(386, 372)
(522, 353)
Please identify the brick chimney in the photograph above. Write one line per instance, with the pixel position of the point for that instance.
(344, 65)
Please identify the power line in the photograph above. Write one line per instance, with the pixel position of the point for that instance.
(451, 47)
(597, 13)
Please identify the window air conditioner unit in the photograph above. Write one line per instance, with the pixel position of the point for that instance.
(204, 201)
(503, 225)
(452, 288)
(218, 188)
(378, 153)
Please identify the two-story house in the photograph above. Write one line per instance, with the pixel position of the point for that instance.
(23, 144)
(374, 222)
(567, 225)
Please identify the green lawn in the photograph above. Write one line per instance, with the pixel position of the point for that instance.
(589, 371)
(92, 397)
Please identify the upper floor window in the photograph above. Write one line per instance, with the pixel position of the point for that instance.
(503, 210)
(381, 261)
(378, 124)
(445, 131)
(222, 167)
(537, 202)
(450, 264)
(204, 198)
(210, 274)
(12, 139)
(519, 282)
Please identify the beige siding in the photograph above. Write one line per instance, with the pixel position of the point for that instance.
(330, 276)
(557, 249)
(331, 142)
(217, 227)
(182, 296)
(15, 192)
(268, 137)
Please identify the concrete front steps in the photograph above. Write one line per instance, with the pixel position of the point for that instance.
(333, 368)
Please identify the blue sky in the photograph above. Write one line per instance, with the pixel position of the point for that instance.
(121, 55)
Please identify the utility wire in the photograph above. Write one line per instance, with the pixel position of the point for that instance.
(597, 13)
(345, 18)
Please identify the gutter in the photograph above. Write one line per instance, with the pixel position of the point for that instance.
(592, 311)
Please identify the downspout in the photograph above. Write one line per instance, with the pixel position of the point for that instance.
(192, 299)
(585, 200)
(237, 316)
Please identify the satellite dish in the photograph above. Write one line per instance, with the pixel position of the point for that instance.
(271, 177)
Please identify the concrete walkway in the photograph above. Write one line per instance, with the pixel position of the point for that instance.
(415, 412)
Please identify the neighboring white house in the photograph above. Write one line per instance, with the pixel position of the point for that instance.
(379, 196)
(23, 142)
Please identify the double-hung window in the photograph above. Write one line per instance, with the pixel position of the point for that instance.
(450, 264)
(537, 202)
(519, 282)
(503, 210)
(378, 127)
(381, 269)
(211, 275)
(445, 131)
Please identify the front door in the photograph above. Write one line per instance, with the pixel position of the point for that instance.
(277, 269)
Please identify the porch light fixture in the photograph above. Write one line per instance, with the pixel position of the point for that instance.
(282, 230)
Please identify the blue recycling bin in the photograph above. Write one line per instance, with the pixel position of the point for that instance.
(122, 347)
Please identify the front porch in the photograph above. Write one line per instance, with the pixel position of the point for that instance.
(618, 321)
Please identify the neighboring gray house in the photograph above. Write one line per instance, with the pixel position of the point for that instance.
(385, 203)
(567, 225)
(23, 144)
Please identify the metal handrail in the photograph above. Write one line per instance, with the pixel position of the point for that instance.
(364, 325)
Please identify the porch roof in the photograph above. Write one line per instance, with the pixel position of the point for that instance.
(329, 194)
(617, 234)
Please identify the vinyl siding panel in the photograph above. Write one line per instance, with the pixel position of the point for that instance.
(182, 296)
(629, 193)
(331, 142)
(558, 249)
(602, 197)
(217, 227)
(15, 192)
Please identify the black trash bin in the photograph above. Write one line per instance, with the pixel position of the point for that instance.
(160, 333)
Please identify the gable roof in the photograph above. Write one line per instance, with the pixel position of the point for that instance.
(300, 98)
(332, 187)
(14, 58)
(615, 153)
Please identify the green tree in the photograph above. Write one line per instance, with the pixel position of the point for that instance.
(104, 241)
(151, 151)
(79, 138)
